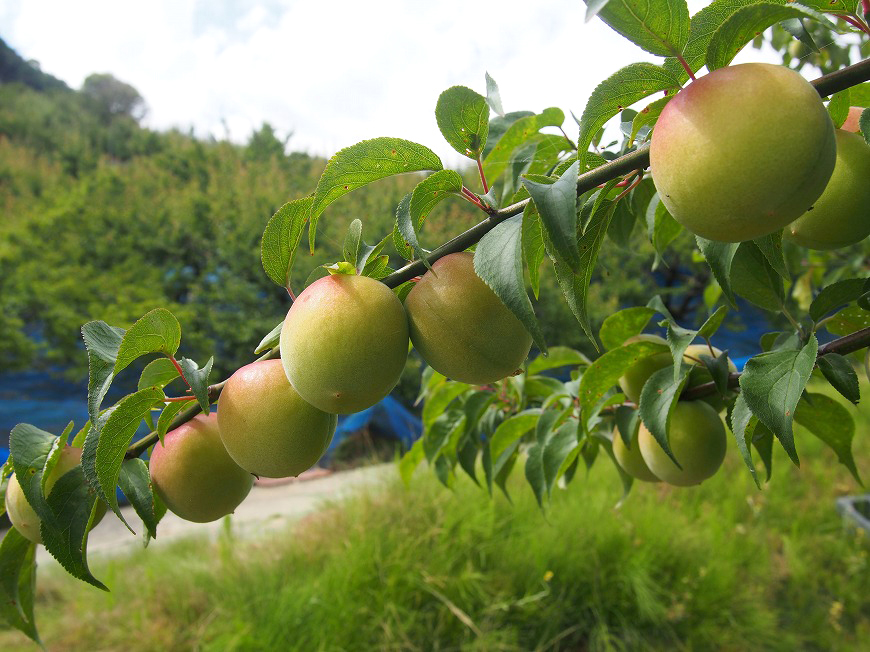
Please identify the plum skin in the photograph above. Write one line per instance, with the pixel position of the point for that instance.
(697, 439)
(461, 328)
(742, 152)
(22, 516)
(266, 427)
(194, 475)
(344, 343)
(841, 216)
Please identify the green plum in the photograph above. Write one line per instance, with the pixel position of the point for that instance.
(742, 151)
(461, 328)
(841, 216)
(266, 427)
(344, 343)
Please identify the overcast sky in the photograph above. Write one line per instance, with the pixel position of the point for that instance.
(333, 72)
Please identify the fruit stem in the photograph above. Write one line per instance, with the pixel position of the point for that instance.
(290, 292)
(178, 399)
(482, 175)
(686, 67)
(178, 368)
(855, 21)
(632, 186)
(474, 199)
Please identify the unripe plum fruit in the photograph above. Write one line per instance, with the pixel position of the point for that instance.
(194, 475)
(841, 216)
(634, 378)
(742, 151)
(851, 123)
(344, 343)
(22, 515)
(632, 381)
(461, 328)
(266, 427)
(697, 439)
(630, 459)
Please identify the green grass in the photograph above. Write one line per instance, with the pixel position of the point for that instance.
(720, 567)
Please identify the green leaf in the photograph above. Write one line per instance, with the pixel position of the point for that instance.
(848, 320)
(18, 583)
(559, 356)
(107, 442)
(410, 461)
(360, 164)
(557, 205)
(754, 279)
(701, 29)
(558, 452)
(425, 196)
(605, 372)
(720, 256)
(493, 97)
(623, 88)
(463, 118)
(743, 425)
(662, 228)
(660, 27)
(158, 373)
(830, 421)
(657, 399)
(838, 107)
(771, 247)
(713, 322)
(75, 505)
(593, 7)
(533, 245)
(498, 261)
(506, 437)
(441, 430)
(157, 331)
(575, 287)
(619, 326)
(270, 340)
(352, 241)
(763, 442)
(648, 116)
(437, 402)
(517, 133)
(281, 239)
(864, 125)
(403, 247)
(838, 294)
(167, 415)
(840, 373)
(102, 342)
(626, 479)
(135, 482)
(743, 25)
(772, 384)
(197, 378)
(31, 449)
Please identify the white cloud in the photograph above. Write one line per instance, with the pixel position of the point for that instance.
(333, 72)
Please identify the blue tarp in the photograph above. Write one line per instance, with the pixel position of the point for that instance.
(389, 416)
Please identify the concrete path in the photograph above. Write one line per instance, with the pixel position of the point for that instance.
(268, 508)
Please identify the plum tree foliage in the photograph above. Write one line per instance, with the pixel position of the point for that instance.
(724, 154)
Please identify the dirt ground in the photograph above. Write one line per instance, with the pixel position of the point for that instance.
(270, 506)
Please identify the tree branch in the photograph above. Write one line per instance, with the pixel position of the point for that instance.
(636, 160)
(843, 345)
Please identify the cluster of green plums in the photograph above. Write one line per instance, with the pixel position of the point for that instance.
(750, 149)
(696, 433)
(738, 154)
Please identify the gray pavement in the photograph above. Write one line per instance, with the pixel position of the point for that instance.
(267, 509)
